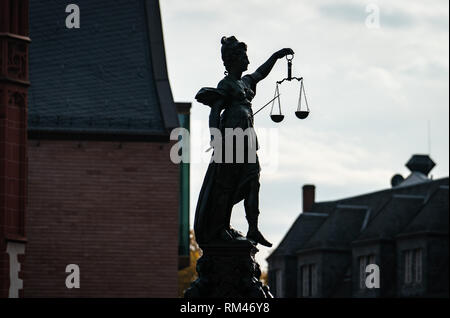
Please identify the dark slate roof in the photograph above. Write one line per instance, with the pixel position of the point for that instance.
(100, 77)
(393, 217)
(353, 218)
(434, 216)
(306, 225)
(340, 228)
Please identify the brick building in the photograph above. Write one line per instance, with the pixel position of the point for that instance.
(14, 82)
(102, 190)
(403, 230)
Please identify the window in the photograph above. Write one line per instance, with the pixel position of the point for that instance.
(305, 280)
(363, 262)
(309, 280)
(313, 273)
(371, 259)
(418, 265)
(413, 266)
(279, 283)
(408, 267)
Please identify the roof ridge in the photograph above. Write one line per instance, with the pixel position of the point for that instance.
(352, 206)
(408, 196)
(383, 190)
(315, 214)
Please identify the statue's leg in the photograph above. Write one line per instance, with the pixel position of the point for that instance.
(222, 201)
(251, 205)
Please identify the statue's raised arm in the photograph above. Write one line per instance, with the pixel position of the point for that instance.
(264, 70)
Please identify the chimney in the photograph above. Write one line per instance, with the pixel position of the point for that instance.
(309, 194)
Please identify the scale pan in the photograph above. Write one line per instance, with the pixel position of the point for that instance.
(277, 118)
(302, 114)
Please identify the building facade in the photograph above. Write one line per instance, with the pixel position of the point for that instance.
(331, 247)
(103, 193)
(14, 83)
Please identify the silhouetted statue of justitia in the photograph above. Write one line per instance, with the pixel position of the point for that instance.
(227, 267)
(227, 183)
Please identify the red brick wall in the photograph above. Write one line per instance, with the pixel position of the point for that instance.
(13, 128)
(111, 208)
(13, 159)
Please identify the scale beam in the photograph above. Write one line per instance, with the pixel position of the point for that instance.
(301, 114)
(290, 79)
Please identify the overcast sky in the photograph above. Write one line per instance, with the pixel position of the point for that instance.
(371, 90)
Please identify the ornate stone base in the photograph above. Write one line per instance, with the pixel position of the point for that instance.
(228, 269)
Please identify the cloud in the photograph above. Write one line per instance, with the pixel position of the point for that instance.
(422, 68)
(391, 15)
(344, 12)
(440, 22)
(397, 19)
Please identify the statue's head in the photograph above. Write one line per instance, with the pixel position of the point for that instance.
(234, 54)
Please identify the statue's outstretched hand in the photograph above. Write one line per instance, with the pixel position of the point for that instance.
(283, 52)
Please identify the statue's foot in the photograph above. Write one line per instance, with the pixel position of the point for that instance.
(236, 234)
(226, 235)
(256, 236)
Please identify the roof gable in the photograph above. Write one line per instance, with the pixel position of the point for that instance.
(393, 217)
(340, 228)
(434, 216)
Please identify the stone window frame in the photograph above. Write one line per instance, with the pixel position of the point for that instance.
(412, 262)
(308, 280)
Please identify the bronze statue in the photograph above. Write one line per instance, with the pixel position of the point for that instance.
(227, 183)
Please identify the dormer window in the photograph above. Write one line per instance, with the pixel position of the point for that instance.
(309, 280)
(413, 266)
(279, 283)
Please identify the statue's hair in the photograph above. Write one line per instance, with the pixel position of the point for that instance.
(231, 49)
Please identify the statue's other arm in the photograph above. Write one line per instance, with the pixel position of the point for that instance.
(265, 69)
(214, 116)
